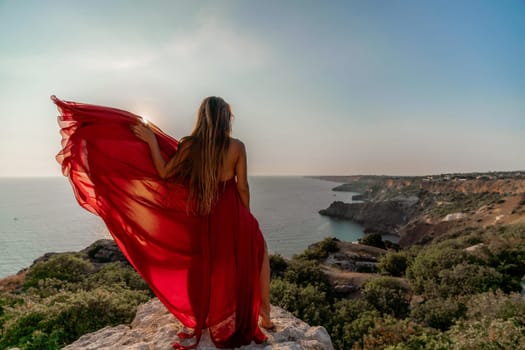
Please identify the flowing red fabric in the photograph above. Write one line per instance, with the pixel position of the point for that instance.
(204, 269)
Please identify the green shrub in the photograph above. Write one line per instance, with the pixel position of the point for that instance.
(374, 240)
(307, 272)
(66, 298)
(278, 265)
(116, 273)
(308, 302)
(64, 267)
(439, 313)
(393, 263)
(387, 295)
(465, 279)
(57, 320)
(423, 272)
(46, 287)
(504, 250)
(320, 250)
(349, 321)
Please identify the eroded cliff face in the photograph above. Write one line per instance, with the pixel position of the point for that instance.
(155, 328)
(419, 209)
(385, 217)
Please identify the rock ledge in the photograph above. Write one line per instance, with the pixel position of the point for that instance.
(155, 328)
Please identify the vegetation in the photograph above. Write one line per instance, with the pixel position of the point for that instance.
(66, 297)
(440, 296)
(320, 250)
(394, 263)
(467, 299)
(374, 240)
(453, 202)
(387, 295)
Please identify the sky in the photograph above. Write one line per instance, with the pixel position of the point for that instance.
(385, 87)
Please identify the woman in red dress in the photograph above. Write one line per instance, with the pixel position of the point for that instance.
(179, 211)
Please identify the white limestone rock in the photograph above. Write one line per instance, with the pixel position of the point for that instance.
(155, 328)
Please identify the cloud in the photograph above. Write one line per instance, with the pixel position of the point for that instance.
(213, 44)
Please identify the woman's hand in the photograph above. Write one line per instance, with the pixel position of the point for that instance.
(143, 132)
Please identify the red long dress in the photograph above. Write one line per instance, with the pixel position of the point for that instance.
(204, 269)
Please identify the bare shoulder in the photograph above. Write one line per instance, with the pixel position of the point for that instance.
(237, 145)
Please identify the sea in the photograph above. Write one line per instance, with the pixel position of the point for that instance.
(40, 215)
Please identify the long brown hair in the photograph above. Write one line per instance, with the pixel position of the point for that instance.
(203, 156)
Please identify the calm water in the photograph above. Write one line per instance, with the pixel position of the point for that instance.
(39, 215)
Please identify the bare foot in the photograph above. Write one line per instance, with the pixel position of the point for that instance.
(267, 324)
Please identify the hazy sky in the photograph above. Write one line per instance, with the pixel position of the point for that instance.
(317, 87)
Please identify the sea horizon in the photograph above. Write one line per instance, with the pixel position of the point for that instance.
(40, 214)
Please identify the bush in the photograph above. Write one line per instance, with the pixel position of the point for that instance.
(64, 267)
(504, 250)
(116, 273)
(349, 321)
(465, 279)
(487, 333)
(278, 265)
(387, 295)
(394, 263)
(55, 321)
(306, 272)
(438, 313)
(497, 305)
(66, 298)
(307, 303)
(390, 331)
(320, 250)
(374, 240)
(423, 272)
(425, 341)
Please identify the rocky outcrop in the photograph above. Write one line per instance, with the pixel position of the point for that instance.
(385, 217)
(155, 328)
(100, 252)
(104, 251)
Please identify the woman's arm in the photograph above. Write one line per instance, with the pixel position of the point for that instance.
(144, 133)
(242, 176)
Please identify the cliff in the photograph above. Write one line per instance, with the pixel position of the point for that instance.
(420, 209)
(154, 327)
(385, 217)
